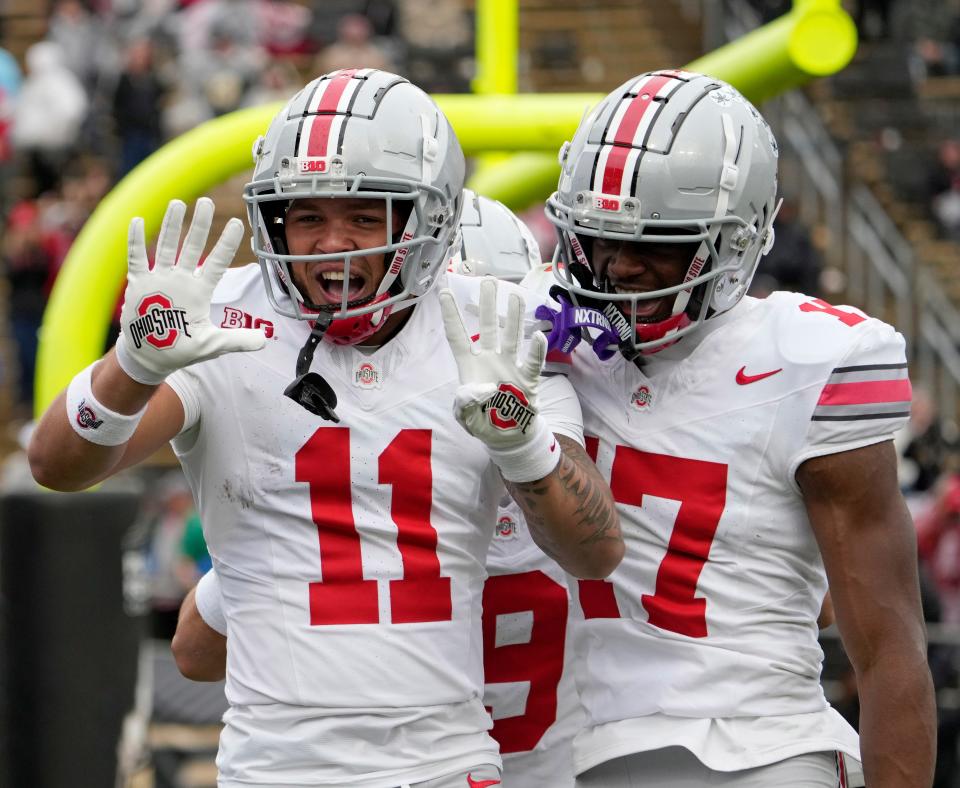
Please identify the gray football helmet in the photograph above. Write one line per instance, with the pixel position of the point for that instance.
(668, 157)
(493, 241)
(358, 133)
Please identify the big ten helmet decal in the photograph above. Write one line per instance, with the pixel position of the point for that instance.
(493, 241)
(358, 133)
(670, 157)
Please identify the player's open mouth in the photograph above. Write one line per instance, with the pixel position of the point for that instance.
(646, 310)
(333, 283)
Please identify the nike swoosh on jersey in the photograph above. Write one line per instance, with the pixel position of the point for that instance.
(481, 783)
(744, 379)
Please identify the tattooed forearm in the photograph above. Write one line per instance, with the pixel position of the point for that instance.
(596, 516)
(571, 513)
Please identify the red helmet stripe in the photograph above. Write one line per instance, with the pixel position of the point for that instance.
(328, 104)
(624, 133)
(630, 124)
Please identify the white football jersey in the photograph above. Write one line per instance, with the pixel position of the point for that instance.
(350, 555)
(705, 636)
(527, 658)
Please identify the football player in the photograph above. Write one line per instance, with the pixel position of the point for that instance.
(526, 656)
(347, 513)
(493, 241)
(748, 445)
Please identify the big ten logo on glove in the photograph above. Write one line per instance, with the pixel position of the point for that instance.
(160, 323)
(236, 318)
(509, 408)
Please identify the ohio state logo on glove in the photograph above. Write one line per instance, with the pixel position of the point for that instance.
(166, 307)
(159, 322)
(509, 408)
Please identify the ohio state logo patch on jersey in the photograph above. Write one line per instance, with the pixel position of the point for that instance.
(509, 409)
(86, 418)
(159, 323)
(367, 376)
(642, 398)
(506, 528)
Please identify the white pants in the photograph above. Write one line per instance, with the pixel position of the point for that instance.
(677, 767)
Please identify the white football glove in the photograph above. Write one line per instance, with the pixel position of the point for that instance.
(496, 401)
(165, 321)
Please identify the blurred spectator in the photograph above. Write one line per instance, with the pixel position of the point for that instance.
(28, 258)
(944, 187)
(873, 19)
(79, 35)
(284, 27)
(440, 44)
(353, 48)
(10, 79)
(938, 534)
(932, 57)
(50, 112)
(137, 106)
(193, 547)
(278, 81)
(921, 446)
(382, 15)
(174, 558)
(327, 15)
(946, 172)
(793, 263)
(220, 61)
(200, 21)
(228, 71)
(216, 77)
(85, 184)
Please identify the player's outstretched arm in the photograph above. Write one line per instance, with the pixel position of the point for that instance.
(571, 514)
(568, 506)
(199, 650)
(102, 422)
(869, 550)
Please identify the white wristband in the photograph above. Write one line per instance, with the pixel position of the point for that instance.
(533, 460)
(210, 602)
(92, 420)
(134, 368)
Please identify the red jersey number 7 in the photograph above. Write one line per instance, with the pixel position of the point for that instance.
(701, 488)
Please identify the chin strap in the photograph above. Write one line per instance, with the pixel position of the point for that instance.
(309, 389)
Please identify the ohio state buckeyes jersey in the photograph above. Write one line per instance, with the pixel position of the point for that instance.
(705, 636)
(527, 658)
(350, 556)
